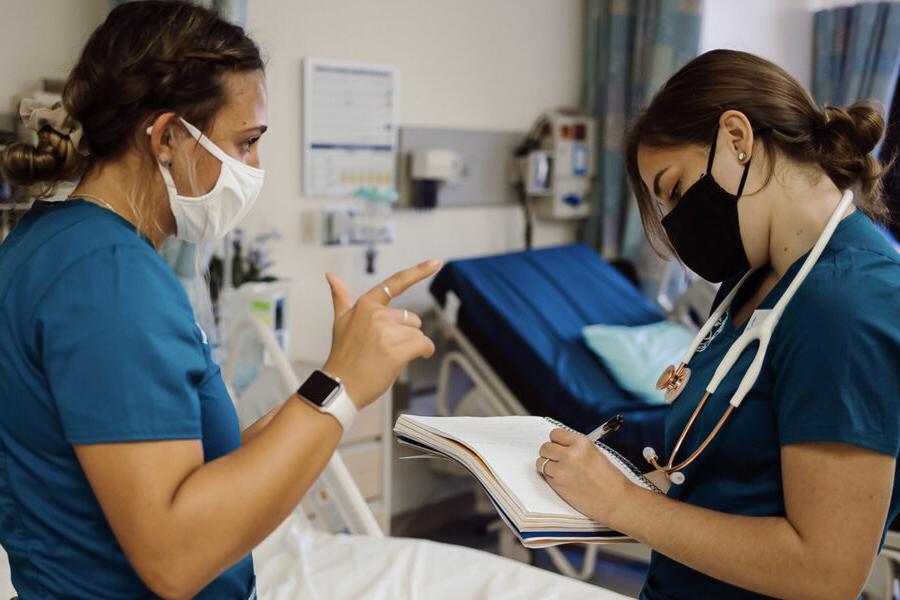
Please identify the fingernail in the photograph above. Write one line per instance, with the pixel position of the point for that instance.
(434, 262)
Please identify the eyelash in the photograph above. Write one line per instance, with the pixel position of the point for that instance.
(249, 143)
(676, 191)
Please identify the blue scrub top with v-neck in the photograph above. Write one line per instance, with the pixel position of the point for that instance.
(831, 374)
(98, 345)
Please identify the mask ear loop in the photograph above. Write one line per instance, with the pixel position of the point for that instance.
(740, 190)
(712, 154)
(712, 151)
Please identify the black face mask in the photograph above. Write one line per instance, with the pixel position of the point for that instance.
(703, 227)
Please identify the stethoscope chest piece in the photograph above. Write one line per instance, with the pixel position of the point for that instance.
(673, 380)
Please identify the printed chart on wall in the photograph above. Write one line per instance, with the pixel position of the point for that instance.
(350, 126)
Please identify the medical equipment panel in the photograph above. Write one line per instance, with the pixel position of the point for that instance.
(556, 164)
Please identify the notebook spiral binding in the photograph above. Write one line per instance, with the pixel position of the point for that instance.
(616, 457)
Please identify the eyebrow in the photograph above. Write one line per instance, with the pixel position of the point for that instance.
(260, 128)
(656, 182)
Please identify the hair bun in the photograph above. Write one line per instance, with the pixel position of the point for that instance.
(53, 159)
(846, 140)
(853, 129)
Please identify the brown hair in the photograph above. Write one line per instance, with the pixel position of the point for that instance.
(784, 118)
(147, 58)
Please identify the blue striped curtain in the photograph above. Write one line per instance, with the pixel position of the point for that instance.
(631, 48)
(856, 53)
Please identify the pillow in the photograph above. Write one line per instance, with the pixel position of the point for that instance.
(636, 355)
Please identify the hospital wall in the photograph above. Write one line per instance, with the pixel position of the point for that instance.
(42, 39)
(471, 64)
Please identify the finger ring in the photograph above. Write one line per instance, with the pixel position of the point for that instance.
(405, 315)
(387, 292)
(544, 464)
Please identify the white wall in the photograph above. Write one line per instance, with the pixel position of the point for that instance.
(42, 38)
(779, 30)
(479, 64)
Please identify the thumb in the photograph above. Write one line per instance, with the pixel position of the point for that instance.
(339, 295)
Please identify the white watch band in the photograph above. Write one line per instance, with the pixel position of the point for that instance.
(342, 409)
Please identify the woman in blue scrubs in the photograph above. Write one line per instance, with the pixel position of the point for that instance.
(124, 473)
(735, 167)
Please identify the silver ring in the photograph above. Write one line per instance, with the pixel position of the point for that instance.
(544, 464)
(387, 292)
(405, 315)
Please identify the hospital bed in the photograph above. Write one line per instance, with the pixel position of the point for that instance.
(515, 323)
(350, 558)
(514, 326)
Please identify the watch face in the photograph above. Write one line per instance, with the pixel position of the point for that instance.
(318, 388)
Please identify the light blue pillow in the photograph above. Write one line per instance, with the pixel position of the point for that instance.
(636, 355)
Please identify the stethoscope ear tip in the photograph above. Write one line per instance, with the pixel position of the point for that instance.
(649, 454)
(677, 477)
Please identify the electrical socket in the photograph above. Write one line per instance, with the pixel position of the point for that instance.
(309, 227)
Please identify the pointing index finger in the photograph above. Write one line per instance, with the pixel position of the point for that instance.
(401, 281)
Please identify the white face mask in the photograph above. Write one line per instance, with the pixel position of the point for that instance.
(212, 215)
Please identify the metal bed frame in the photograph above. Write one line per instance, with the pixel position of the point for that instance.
(335, 484)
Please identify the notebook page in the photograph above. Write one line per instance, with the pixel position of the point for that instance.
(509, 446)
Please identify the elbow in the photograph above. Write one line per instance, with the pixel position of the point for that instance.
(839, 582)
(168, 576)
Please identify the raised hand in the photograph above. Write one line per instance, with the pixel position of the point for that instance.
(371, 341)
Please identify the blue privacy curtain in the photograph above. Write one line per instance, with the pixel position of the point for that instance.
(631, 47)
(856, 53)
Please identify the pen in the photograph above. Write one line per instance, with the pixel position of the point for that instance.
(608, 427)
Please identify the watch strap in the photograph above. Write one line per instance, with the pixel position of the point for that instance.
(342, 409)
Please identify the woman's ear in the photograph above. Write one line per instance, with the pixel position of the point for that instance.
(162, 138)
(738, 134)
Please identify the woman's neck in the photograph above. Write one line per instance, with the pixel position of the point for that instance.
(111, 183)
(800, 210)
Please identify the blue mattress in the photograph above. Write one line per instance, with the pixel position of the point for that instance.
(524, 312)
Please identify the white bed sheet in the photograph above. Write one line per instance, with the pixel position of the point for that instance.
(296, 563)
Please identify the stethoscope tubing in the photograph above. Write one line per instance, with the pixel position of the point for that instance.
(760, 333)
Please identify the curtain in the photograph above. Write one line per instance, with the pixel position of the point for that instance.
(631, 47)
(856, 53)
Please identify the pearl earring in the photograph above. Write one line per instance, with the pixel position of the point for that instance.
(742, 156)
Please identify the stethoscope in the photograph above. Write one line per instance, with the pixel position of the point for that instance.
(674, 378)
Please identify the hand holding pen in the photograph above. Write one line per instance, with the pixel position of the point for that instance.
(608, 427)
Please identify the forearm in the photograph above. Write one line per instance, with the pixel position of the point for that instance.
(762, 554)
(250, 432)
(226, 507)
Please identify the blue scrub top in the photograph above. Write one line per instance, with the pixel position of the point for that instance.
(98, 345)
(831, 374)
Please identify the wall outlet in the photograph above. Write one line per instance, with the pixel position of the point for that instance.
(309, 227)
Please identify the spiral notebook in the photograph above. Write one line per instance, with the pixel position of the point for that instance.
(500, 452)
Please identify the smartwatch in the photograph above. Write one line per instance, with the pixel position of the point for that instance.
(327, 394)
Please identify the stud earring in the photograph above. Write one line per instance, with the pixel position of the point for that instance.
(742, 156)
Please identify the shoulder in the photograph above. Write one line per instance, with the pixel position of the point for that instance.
(86, 254)
(849, 296)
